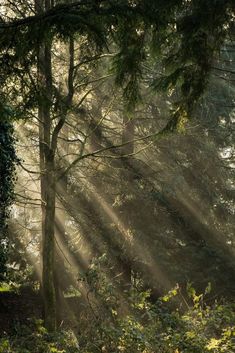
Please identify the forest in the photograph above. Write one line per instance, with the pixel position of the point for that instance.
(117, 166)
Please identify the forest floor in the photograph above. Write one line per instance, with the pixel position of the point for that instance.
(17, 309)
(25, 306)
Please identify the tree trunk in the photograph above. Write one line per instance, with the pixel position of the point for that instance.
(60, 231)
(49, 249)
(127, 135)
(44, 74)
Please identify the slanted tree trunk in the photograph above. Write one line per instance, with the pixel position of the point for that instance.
(60, 228)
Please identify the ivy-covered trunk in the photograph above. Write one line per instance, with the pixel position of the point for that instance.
(7, 177)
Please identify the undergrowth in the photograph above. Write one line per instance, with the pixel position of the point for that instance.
(131, 323)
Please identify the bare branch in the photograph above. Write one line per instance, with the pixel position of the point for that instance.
(28, 170)
(164, 132)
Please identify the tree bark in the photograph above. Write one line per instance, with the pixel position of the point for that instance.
(48, 278)
(128, 132)
(44, 73)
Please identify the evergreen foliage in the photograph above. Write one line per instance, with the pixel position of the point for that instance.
(185, 35)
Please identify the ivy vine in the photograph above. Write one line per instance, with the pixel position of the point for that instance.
(8, 160)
